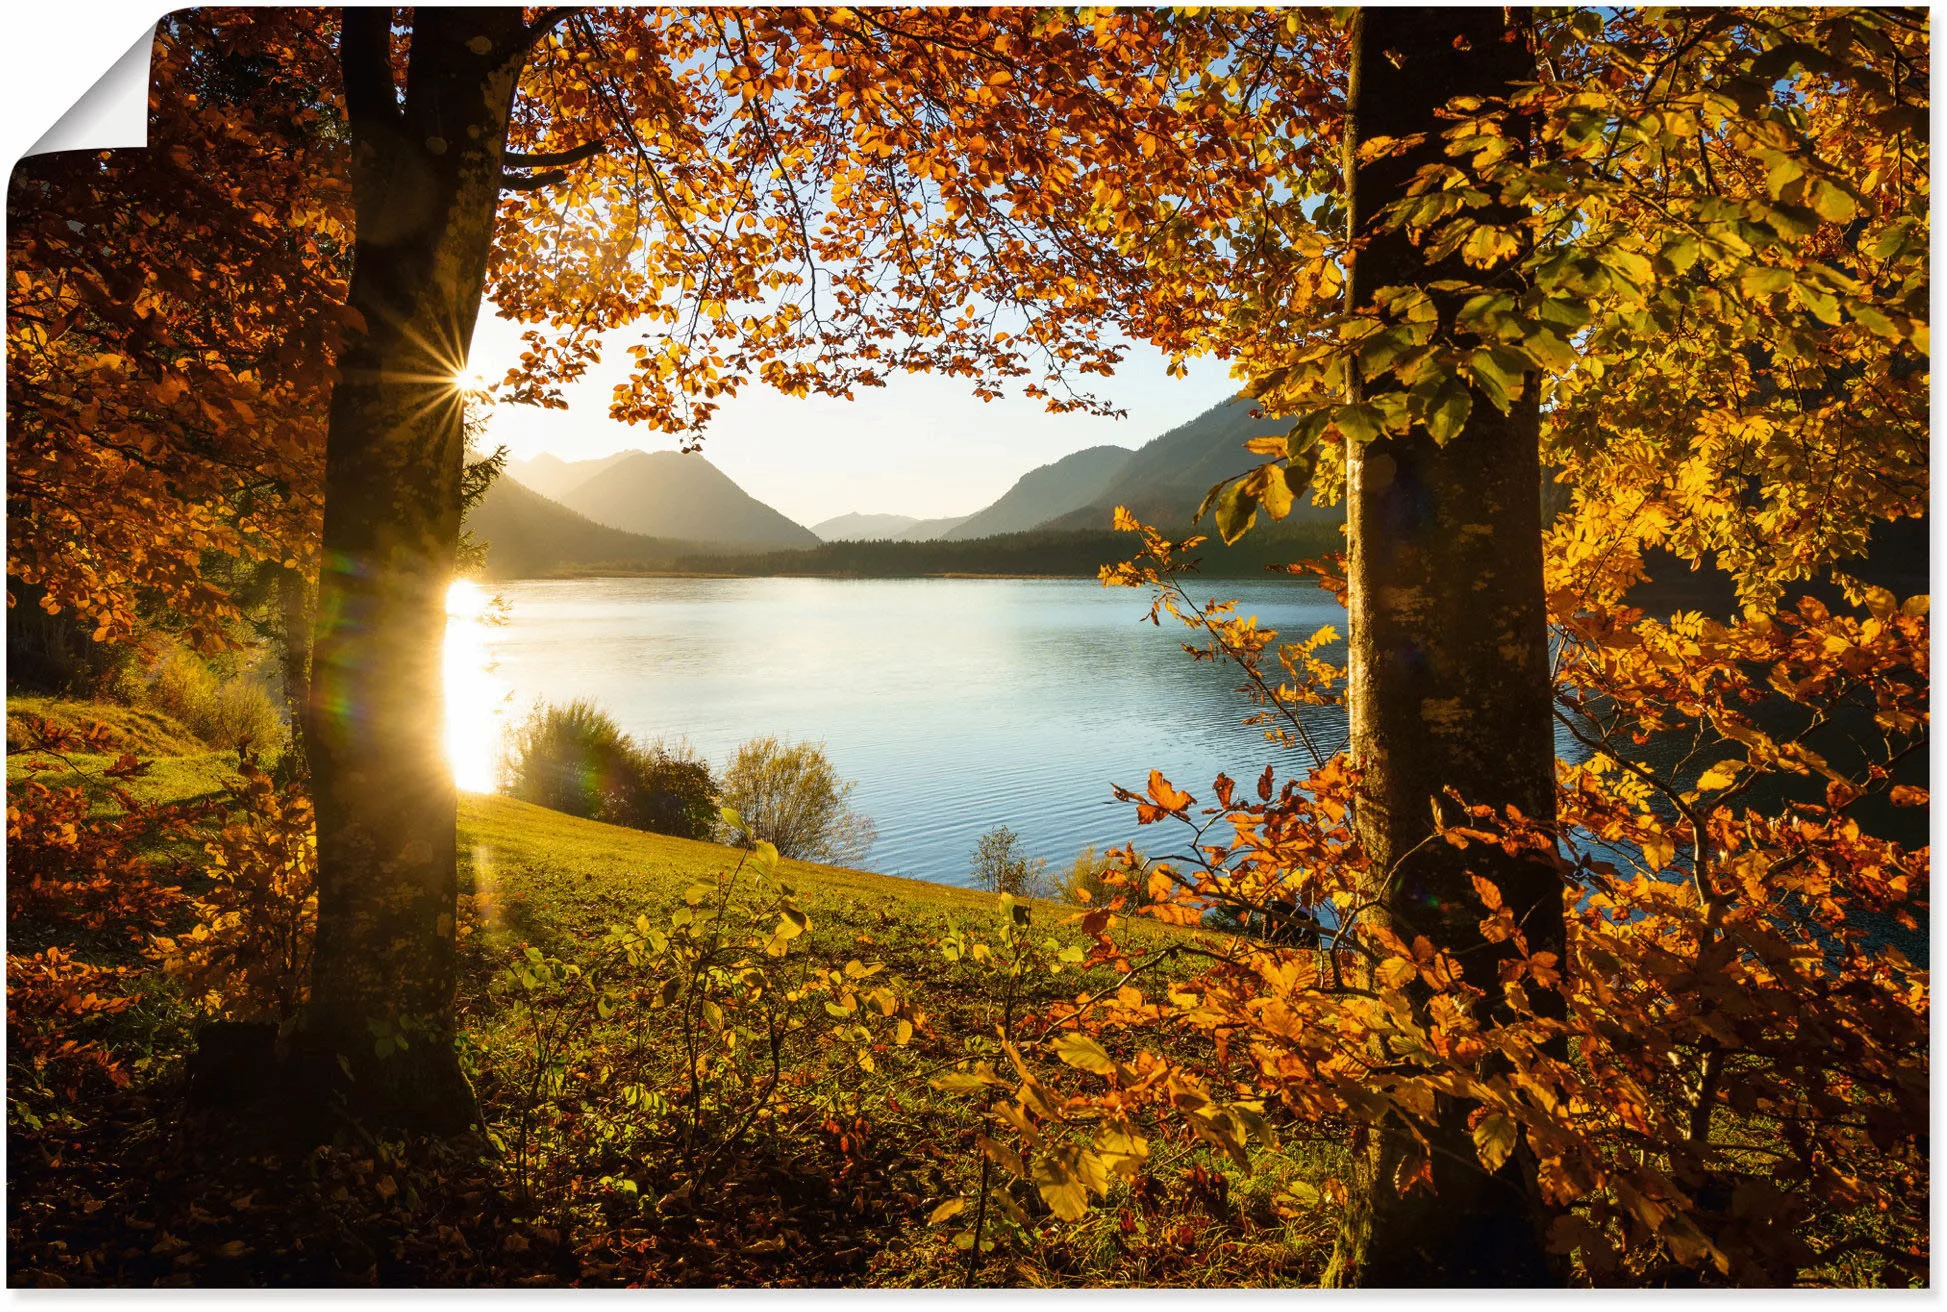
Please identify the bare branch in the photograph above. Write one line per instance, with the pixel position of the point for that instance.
(558, 159)
(531, 182)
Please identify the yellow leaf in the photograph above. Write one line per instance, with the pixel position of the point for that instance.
(1494, 1139)
(1396, 973)
(1084, 1053)
(1721, 775)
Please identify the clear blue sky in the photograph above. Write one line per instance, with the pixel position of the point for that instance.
(921, 446)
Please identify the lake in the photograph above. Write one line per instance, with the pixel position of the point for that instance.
(956, 704)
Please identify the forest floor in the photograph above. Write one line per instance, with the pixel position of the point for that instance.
(609, 1155)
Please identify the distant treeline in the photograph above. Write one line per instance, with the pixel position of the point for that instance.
(1074, 553)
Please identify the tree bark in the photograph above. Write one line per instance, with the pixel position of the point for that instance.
(426, 180)
(1449, 681)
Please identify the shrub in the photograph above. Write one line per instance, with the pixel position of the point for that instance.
(665, 788)
(563, 757)
(236, 711)
(999, 866)
(1090, 881)
(248, 954)
(574, 758)
(791, 796)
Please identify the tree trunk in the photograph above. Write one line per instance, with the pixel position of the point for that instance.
(294, 611)
(426, 183)
(1449, 683)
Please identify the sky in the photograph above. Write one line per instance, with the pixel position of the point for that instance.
(923, 445)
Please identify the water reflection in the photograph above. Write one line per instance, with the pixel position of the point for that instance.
(476, 700)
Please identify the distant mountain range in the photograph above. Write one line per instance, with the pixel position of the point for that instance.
(528, 535)
(552, 476)
(1045, 493)
(1167, 477)
(883, 528)
(650, 509)
(664, 494)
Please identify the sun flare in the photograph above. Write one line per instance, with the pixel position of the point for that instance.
(475, 699)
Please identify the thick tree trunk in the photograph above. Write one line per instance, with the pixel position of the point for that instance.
(1449, 681)
(295, 609)
(426, 179)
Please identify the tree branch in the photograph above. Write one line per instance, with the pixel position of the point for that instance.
(515, 159)
(365, 50)
(549, 19)
(532, 182)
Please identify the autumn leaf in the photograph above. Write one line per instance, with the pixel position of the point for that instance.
(1494, 1138)
(1084, 1053)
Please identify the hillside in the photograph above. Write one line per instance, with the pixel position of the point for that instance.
(670, 494)
(552, 476)
(862, 528)
(885, 528)
(926, 530)
(527, 534)
(1042, 494)
(1166, 479)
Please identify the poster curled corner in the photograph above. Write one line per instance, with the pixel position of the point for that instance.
(113, 114)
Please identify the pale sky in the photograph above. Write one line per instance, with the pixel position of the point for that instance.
(922, 445)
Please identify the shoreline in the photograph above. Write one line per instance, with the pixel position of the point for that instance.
(843, 575)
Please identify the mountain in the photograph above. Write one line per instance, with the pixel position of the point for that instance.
(926, 530)
(863, 528)
(552, 476)
(527, 535)
(670, 494)
(1042, 494)
(885, 528)
(1165, 480)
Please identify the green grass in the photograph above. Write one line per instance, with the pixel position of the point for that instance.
(137, 729)
(545, 878)
(552, 882)
(830, 1213)
(180, 765)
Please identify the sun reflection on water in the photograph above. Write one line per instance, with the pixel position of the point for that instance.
(476, 701)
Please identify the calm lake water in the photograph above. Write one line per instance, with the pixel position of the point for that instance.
(956, 704)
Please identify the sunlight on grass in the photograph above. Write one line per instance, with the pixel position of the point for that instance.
(475, 699)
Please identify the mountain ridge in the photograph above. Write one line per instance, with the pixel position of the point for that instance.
(1045, 492)
(673, 494)
(1166, 478)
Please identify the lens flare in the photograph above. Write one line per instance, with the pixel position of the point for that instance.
(475, 699)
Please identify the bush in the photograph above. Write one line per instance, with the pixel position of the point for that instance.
(575, 759)
(248, 955)
(1000, 867)
(234, 711)
(792, 797)
(1088, 883)
(666, 789)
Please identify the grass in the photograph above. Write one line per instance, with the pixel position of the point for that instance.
(555, 883)
(180, 765)
(549, 879)
(834, 1183)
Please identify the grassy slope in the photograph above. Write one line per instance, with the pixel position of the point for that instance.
(550, 876)
(542, 878)
(181, 765)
